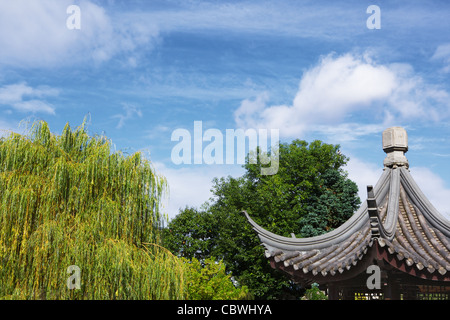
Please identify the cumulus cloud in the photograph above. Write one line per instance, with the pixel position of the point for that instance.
(34, 33)
(338, 87)
(25, 98)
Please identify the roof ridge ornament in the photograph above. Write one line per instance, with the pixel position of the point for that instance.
(395, 144)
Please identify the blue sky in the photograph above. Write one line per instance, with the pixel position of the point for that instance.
(312, 69)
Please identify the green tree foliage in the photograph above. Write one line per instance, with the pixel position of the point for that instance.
(310, 195)
(314, 293)
(69, 200)
(209, 281)
(192, 233)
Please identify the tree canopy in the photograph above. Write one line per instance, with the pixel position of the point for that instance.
(68, 200)
(310, 195)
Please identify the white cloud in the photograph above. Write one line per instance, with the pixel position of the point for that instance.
(34, 34)
(346, 132)
(245, 115)
(24, 98)
(363, 173)
(191, 186)
(414, 99)
(130, 112)
(442, 53)
(332, 92)
(34, 106)
(434, 188)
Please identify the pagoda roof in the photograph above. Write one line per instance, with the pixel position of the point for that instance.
(396, 224)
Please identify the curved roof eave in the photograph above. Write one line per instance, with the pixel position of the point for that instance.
(359, 219)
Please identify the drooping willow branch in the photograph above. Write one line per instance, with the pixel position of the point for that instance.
(69, 200)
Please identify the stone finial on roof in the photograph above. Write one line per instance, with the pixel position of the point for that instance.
(395, 144)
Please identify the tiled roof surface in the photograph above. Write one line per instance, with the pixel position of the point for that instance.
(396, 216)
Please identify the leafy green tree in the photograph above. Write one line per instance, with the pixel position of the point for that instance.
(69, 200)
(311, 194)
(192, 233)
(314, 293)
(210, 281)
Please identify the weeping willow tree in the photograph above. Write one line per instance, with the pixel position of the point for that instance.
(68, 200)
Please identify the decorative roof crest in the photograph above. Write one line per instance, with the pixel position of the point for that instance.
(395, 144)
